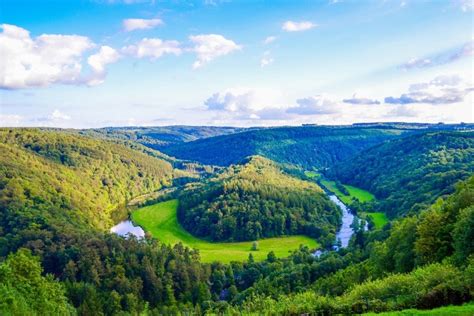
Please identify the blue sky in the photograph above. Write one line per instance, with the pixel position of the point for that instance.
(243, 63)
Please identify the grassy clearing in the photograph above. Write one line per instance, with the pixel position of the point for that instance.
(379, 219)
(161, 221)
(361, 195)
(463, 310)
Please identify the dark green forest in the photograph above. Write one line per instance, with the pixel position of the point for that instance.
(256, 200)
(60, 192)
(307, 147)
(409, 174)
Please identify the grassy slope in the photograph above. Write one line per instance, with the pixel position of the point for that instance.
(161, 221)
(463, 310)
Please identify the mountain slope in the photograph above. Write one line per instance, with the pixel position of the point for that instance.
(307, 146)
(256, 200)
(158, 137)
(55, 177)
(411, 173)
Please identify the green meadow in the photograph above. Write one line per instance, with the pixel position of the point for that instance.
(462, 310)
(161, 221)
(379, 218)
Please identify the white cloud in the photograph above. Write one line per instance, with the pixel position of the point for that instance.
(441, 90)
(48, 59)
(466, 5)
(441, 58)
(316, 105)
(266, 59)
(245, 99)
(152, 48)
(140, 24)
(210, 46)
(269, 39)
(291, 26)
(7, 120)
(360, 100)
(59, 116)
(39, 62)
(106, 55)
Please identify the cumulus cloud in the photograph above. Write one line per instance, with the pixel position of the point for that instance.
(266, 59)
(269, 39)
(466, 50)
(360, 100)
(316, 105)
(152, 48)
(47, 59)
(140, 24)
(39, 62)
(291, 26)
(210, 46)
(440, 90)
(99, 61)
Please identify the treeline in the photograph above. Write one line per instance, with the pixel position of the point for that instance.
(409, 174)
(257, 200)
(307, 147)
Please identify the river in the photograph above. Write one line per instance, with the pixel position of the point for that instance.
(126, 228)
(344, 233)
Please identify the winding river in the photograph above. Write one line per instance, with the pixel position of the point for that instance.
(344, 234)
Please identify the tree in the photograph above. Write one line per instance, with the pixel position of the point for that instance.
(254, 246)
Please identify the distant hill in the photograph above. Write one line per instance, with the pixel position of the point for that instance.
(256, 200)
(412, 172)
(306, 146)
(161, 136)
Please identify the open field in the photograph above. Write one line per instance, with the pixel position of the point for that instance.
(379, 218)
(463, 310)
(361, 195)
(161, 221)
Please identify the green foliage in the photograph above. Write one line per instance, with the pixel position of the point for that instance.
(410, 173)
(52, 178)
(24, 291)
(257, 200)
(161, 221)
(308, 146)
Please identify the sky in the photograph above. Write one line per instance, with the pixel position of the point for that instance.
(96, 63)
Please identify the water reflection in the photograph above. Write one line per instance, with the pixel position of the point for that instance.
(126, 228)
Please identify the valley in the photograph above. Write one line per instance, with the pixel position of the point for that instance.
(241, 236)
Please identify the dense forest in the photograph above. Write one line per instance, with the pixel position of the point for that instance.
(307, 147)
(158, 137)
(409, 174)
(256, 200)
(60, 191)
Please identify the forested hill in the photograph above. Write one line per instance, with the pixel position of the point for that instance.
(158, 137)
(411, 173)
(306, 146)
(60, 178)
(256, 200)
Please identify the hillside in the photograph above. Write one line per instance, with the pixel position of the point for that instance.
(158, 137)
(257, 200)
(410, 173)
(62, 179)
(308, 146)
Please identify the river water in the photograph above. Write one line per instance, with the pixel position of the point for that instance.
(126, 228)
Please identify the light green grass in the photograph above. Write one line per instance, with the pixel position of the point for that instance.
(463, 310)
(379, 218)
(312, 174)
(361, 195)
(161, 221)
